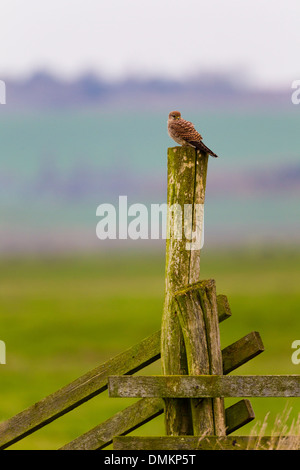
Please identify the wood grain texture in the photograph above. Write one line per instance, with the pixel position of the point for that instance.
(242, 351)
(207, 443)
(121, 423)
(197, 310)
(238, 414)
(140, 413)
(187, 170)
(224, 310)
(205, 386)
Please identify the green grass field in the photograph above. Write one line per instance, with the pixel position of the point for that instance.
(61, 317)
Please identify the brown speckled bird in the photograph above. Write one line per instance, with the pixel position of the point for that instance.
(184, 133)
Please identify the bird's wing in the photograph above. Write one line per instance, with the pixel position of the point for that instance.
(185, 130)
(202, 147)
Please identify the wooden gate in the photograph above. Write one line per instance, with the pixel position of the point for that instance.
(194, 381)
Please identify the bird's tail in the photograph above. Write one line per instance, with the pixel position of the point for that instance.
(202, 147)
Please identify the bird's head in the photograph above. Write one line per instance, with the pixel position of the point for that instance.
(174, 115)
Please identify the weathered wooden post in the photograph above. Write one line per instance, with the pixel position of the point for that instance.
(187, 171)
(197, 310)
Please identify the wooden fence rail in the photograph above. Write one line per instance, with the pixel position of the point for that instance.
(134, 416)
(96, 381)
(205, 386)
(208, 443)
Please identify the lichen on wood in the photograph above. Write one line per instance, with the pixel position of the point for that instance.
(186, 185)
(205, 386)
(198, 315)
(189, 443)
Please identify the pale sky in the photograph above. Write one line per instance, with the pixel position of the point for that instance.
(172, 38)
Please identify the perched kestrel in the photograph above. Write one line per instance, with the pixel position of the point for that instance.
(184, 133)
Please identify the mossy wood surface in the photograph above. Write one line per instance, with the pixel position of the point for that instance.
(123, 422)
(238, 415)
(140, 413)
(242, 351)
(207, 443)
(187, 171)
(205, 386)
(197, 311)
